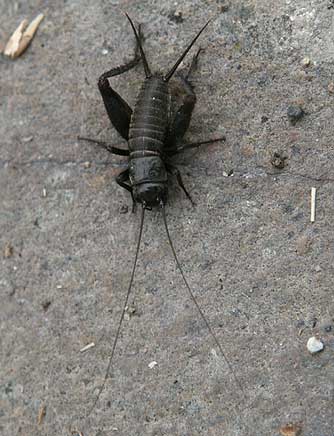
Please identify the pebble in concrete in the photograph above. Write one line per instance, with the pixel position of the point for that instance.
(314, 345)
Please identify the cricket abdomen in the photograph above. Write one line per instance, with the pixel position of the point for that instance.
(147, 134)
(149, 120)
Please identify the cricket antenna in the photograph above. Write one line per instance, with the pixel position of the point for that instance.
(174, 68)
(122, 316)
(193, 298)
(146, 67)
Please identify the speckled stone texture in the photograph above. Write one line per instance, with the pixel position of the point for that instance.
(262, 273)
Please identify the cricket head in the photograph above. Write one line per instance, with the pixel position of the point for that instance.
(151, 194)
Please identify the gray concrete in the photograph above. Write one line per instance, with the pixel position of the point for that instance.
(263, 274)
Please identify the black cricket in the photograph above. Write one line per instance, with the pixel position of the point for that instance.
(154, 137)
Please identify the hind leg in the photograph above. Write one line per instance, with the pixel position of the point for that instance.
(181, 120)
(118, 110)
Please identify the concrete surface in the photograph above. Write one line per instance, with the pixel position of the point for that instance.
(263, 273)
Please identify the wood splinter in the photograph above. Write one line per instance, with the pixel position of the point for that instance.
(21, 38)
(41, 415)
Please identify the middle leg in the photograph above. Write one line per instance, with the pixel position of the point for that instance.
(106, 146)
(190, 145)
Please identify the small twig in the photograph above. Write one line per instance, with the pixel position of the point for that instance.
(87, 347)
(313, 198)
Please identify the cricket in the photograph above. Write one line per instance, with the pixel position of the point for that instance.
(154, 136)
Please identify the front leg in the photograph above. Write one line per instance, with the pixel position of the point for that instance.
(175, 171)
(123, 180)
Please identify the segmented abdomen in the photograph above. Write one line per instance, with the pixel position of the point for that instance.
(150, 116)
